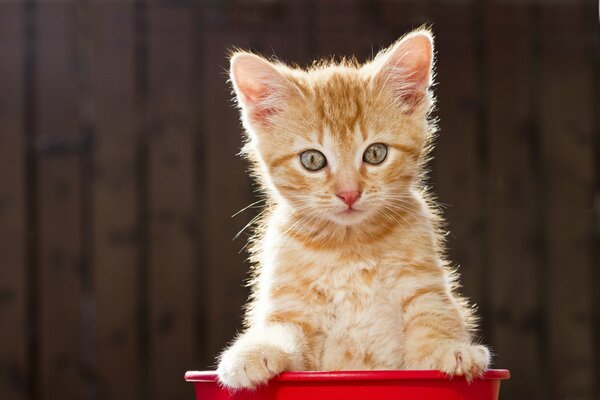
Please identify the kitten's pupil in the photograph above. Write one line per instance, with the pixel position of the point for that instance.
(313, 160)
(375, 153)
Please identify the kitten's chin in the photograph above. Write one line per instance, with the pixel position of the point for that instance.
(349, 217)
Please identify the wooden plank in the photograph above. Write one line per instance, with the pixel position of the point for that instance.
(114, 200)
(566, 100)
(14, 374)
(285, 38)
(456, 159)
(59, 204)
(593, 44)
(172, 229)
(391, 19)
(360, 29)
(517, 315)
(226, 190)
(335, 23)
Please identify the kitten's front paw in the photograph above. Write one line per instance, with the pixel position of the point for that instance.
(251, 365)
(463, 359)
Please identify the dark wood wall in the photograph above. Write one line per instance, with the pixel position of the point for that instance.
(119, 176)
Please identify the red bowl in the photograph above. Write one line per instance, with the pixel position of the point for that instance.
(350, 385)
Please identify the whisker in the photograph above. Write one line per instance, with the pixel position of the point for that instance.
(252, 221)
(248, 206)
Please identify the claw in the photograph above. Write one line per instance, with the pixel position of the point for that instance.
(459, 361)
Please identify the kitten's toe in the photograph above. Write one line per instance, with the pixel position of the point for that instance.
(464, 359)
(458, 368)
(250, 367)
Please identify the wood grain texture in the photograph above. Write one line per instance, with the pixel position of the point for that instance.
(14, 373)
(518, 327)
(514, 170)
(171, 222)
(59, 204)
(337, 21)
(114, 200)
(457, 170)
(566, 98)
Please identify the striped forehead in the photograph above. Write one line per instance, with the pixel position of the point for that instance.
(339, 102)
(341, 148)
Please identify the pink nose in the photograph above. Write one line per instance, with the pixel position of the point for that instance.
(349, 197)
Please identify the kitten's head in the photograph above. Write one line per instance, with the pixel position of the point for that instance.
(338, 142)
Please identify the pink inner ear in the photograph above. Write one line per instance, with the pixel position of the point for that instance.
(412, 95)
(261, 114)
(260, 87)
(260, 106)
(254, 91)
(407, 69)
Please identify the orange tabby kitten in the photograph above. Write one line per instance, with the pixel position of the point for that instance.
(350, 273)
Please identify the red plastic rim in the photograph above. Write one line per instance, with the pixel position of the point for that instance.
(491, 374)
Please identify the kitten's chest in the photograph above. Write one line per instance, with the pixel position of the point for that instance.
(356, 297)
(351, 287)
(359, 322)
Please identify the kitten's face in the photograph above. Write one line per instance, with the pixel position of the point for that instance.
(339, 143)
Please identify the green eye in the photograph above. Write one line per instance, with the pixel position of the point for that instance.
(375, 153)
(313, 160)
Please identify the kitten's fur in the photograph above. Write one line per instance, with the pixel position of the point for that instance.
(337, 289)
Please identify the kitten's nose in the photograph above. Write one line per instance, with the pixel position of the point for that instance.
(349, 197)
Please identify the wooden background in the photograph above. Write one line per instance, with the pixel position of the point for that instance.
(119, 176)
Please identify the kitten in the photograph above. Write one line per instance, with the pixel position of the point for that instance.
(350, 273)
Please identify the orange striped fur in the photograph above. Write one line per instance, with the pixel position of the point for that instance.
(338, 286)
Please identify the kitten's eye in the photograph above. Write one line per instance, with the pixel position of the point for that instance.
(375, 153)
(313, 160)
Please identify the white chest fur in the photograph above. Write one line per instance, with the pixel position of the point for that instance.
(359, 323)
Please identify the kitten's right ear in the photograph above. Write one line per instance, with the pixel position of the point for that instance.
(261, 89)
(406, 68)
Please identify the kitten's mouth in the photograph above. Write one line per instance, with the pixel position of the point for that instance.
(350, 211)
(349, 216)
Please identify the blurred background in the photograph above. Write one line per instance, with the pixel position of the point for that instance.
(119, 177)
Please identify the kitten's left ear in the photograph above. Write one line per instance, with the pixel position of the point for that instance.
(406, 69)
